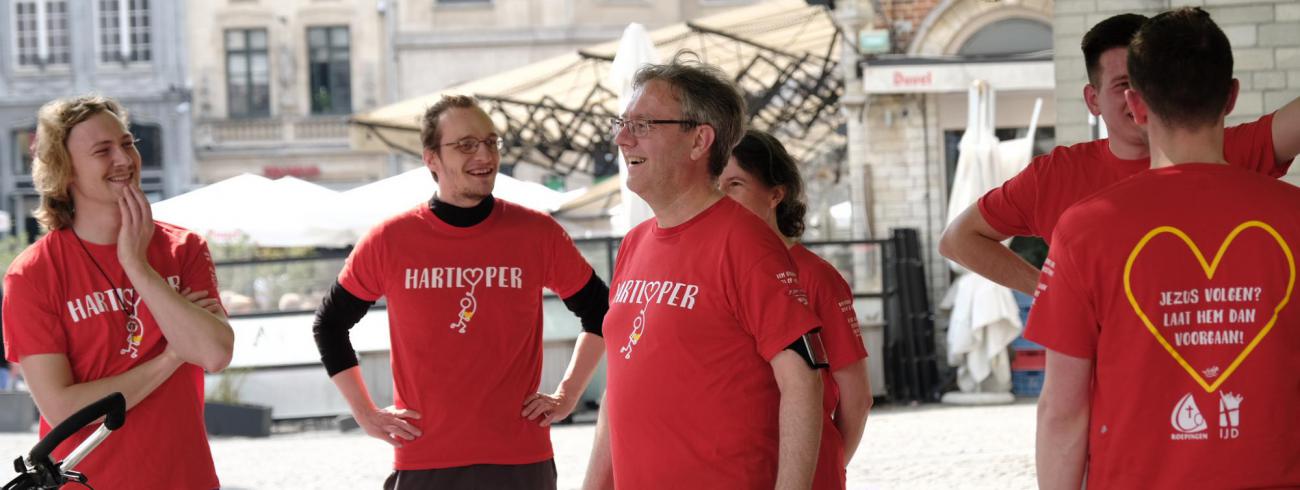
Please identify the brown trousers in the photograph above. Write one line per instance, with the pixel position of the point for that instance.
(535, 476)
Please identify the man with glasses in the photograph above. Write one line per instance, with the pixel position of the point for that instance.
(711, 377)
(463, 277)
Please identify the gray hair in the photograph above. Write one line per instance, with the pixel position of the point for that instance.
(707, 96)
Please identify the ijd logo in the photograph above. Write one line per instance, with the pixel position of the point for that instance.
(1229, 415)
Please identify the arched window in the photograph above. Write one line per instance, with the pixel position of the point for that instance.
(1009, 37)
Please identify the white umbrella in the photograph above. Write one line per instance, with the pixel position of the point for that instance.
(985, 318)
(217, 210)
(635, 49)
(978, 159)
(299, 214)
(284, 213)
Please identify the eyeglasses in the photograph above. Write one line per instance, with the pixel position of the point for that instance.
(469, 145)
(641, 127)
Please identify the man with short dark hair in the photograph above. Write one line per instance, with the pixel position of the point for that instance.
(463, 275)
(712, 381)
(1030, 203)
(1165, 304)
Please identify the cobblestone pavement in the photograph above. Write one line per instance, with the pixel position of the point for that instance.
(923, 447)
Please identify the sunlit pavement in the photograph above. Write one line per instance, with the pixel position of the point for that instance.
(930, 446)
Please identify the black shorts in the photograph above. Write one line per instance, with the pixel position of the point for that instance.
(535, 476)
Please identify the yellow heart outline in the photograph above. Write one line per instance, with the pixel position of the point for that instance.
(1210, 269)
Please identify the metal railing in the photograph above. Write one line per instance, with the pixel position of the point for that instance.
(293, 284)
(886, 276)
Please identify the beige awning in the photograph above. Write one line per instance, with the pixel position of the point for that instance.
(555, 111)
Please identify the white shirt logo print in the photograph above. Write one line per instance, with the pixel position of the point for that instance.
(134, 329)
(95, 303)
(1229, 415)
(1186, 417)
(644, 293)
(456, 278)
(468, 304)
(638, 323)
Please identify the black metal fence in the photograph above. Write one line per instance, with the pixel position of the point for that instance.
(886, 276)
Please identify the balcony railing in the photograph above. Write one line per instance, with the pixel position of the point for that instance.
(272, 131)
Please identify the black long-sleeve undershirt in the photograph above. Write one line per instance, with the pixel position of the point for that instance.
(341, 310)
(337, 314)
(590, 304)
(462, 217)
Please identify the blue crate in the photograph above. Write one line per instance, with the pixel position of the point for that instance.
(1022, 343)
(1023, 301)
(1027, 383)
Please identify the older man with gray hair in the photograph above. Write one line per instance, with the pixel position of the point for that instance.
(713, 353)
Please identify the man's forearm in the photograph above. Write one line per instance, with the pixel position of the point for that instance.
(1286, 131)
(353, 388)
(800, 419)
(971, 242)
(586, 357)
(198, 336)
(999, 264)
(1062, 449)
(855, 403)
(50, 380)
(801, 426)
(600, 468)
(1063, 411)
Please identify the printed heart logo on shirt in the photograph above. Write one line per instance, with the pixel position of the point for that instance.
(1211, 269)
(473, 276)
(650, 290)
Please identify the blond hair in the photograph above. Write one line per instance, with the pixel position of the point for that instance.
(51, 162)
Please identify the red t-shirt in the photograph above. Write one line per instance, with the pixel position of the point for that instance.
(58, 302)
(697, 311)
(1195, 384)
(831, 300)
(1030, 203)
(465, 318)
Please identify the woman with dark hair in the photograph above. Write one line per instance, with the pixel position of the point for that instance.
(102, 304)
(763, 177)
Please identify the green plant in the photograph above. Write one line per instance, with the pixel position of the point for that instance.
(10, 247)
(228, 384)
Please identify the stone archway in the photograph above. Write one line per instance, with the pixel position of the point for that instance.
(953, 22)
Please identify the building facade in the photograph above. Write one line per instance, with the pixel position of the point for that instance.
(1265, 37)
(275, 81)
(904, 155)
(441, 43)
(131, 50)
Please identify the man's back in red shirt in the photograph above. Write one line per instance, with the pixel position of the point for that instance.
(1178, 284)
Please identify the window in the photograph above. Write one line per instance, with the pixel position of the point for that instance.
(22, 156)
(124, 31)
(331, 70)
(149, 144)
(41, 36)
(1009, 37)
(248, 73)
